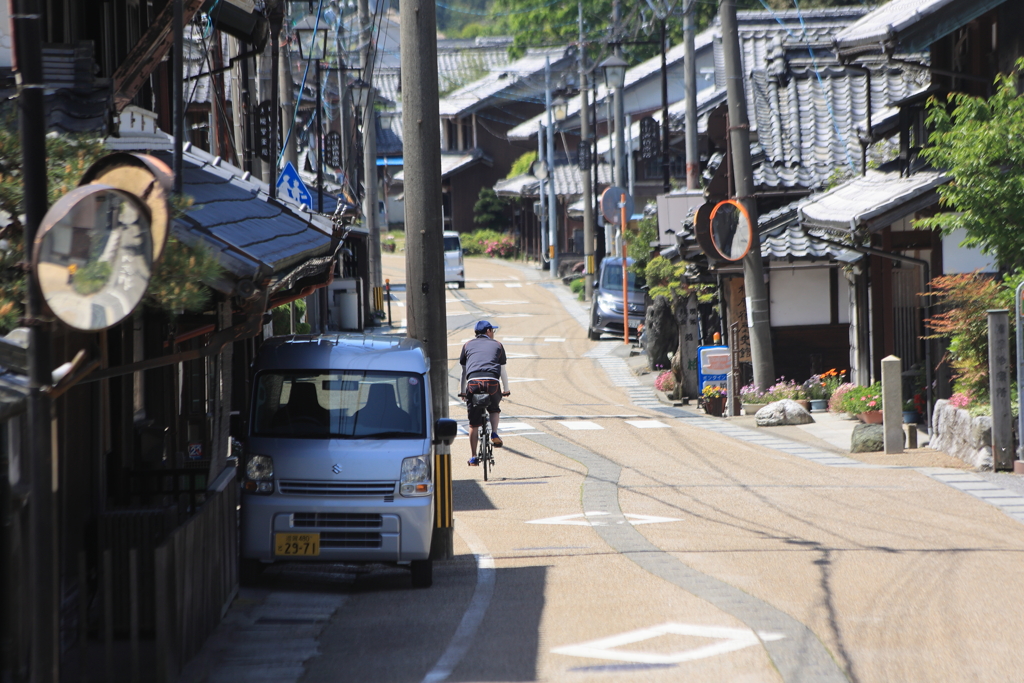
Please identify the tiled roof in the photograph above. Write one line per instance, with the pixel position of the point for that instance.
(909, 24)
(788, 241)
(453, 163)
(523, 79)
(871, 201)
(198, 60)
(567, 178)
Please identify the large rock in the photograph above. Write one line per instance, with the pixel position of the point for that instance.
(869, 438)
(784, 412)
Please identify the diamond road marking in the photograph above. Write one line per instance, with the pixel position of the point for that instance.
(647, 424)
(593, 519)
(726, 640)
(579, 425)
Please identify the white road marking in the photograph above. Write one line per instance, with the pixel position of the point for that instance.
(513, 339)
(513, 380)
(485, 285)
(594, 519)
(520, 355)
(554, 339)
(647, 424)
(727, 640)
(513, 426)
(578, 425)
(503, 302)
(513, 284)
(464, 636)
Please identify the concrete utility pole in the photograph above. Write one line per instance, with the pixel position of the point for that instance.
(552, 198)
(276, 13)
(666, 170)
(620, 105)
(690, 68)
(286, 88)
(424, 262)
(584, 157)
(44, 559)
(370, 160)
(739, 139)
(542, 216)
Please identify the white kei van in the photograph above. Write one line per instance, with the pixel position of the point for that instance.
(339, 463)
(454, 267)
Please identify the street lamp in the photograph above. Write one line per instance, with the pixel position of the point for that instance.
(560, 108)
(360, 93)
(614, 70)
(313, 48)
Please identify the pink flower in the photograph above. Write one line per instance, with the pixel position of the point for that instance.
(872, 404)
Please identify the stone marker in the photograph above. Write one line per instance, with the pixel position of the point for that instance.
(784, 412)
(892, 404)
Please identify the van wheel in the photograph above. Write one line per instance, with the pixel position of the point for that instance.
(462, 284)
(422, 573)
(250, 572)
(593, 334)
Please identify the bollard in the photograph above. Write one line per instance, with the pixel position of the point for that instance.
(892, 404)
(999, 389)
(911, 436)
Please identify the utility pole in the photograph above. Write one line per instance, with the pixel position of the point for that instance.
(620, 105)
(542, 194)
(692, 155)
(178, 107)
(424, 263)
(286, 89)
(276, 14)
(44, 558)
(584, 162)
(666, 170)
(370, 161)
(552, 198)
(739, 139)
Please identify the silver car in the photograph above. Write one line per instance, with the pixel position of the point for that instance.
(606, 311)
(339, 462)
(454, 263)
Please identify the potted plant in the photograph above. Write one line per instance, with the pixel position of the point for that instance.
(789, 390)
(714, 400)
(864, 402)
(909, 412)
(817, 393)
(752, 398)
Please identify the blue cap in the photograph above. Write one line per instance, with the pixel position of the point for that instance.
(483, 326)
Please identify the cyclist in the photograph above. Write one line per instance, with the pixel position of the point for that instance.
(483, 365)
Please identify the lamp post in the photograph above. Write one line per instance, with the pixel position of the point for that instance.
(614, 70)
(313, 47)
(550, 154)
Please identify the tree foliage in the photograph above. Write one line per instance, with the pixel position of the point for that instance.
(489, 210)
(522, 165)
(979, 142)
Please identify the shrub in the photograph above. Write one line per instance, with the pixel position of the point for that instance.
(502, 247)
(960, 399)
(753, 394)
(578, 287)
(783, 390)
(475, 243)
(666, 382)
(837, 396)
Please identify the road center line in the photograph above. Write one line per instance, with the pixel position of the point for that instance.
(474, 614)
(800, 657)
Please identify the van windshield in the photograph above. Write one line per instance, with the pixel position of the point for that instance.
(346, 404)
(452, 244)
(611, 280)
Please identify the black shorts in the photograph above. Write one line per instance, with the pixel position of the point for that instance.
(482, 386)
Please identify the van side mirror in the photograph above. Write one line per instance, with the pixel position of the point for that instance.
(445, 430)
(596, 283)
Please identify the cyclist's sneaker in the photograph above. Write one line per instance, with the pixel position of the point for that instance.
(474, 461)
(496, 441)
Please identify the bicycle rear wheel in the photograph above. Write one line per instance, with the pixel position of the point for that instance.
(484, 450)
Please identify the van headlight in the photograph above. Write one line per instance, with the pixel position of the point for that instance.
(259, 472)
(416, 477)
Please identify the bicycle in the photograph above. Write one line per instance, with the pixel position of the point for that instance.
(484, 448)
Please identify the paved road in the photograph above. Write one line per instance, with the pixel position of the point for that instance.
(623, 541)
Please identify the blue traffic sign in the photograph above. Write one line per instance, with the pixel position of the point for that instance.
(290, 186)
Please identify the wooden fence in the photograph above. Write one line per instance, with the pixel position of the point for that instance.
(196, 578)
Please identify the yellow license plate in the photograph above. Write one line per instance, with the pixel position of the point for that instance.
(297, 544)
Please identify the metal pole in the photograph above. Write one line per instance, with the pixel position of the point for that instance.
(620, 110)
(552, 197)
(370, 199)
(319, 143)
(625, 271)
(690, 67)
(276, 20)
(666, 175)
(739, 135)
(585, 177)
(542, 217)
(179, 102)
(44, 559)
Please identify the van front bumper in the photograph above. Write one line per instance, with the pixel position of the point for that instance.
(351, 530)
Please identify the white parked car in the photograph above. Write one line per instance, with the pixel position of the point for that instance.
(454, 268)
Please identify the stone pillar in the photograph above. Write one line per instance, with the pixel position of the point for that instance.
(999, 389)
(892, 404)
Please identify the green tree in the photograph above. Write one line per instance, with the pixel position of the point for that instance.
(522, 165)
(978, 142)
(489, 210)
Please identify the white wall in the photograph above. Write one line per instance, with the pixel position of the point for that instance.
(5, 36)
(957, 259)
(800, 296)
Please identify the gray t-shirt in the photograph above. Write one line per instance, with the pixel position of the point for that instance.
(483, 355)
